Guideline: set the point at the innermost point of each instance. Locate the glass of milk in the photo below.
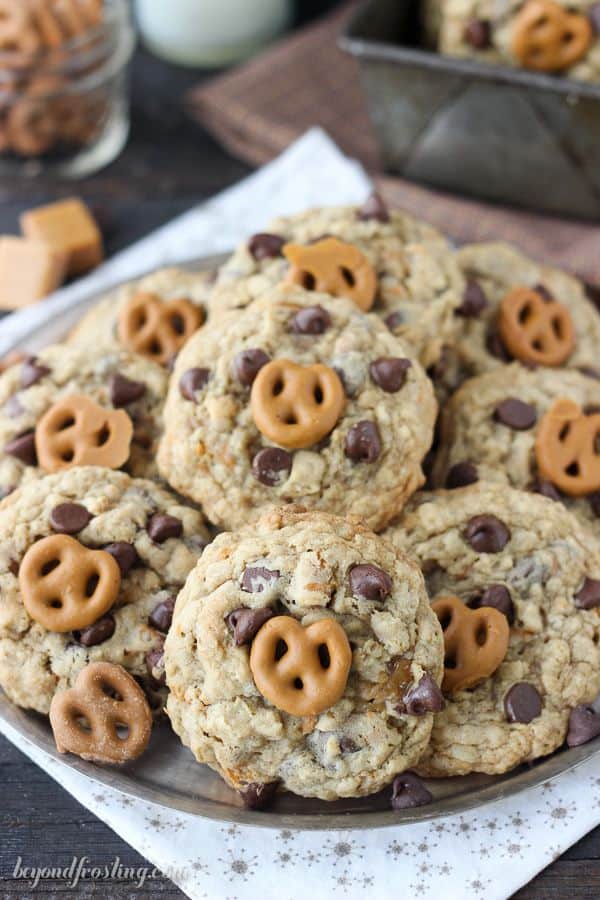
(210, 32)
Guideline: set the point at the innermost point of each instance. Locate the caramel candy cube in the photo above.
(29, 270)
(69, 228)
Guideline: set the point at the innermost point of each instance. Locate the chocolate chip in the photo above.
(193, 381)
(394, 320)
(256, 579)
(478, 34)
(408, 791)
(245, 622)
(23, 448)
(543, 292)
(498, 597)
(496, 348)
(13, 407)
(257, 795)
(363, 442)
(588, 596)
(124, 390)
(248, 363)
(13, 567)
(593, 290)
(161, 527)
(271, 465)
(516, 414)
(594, 501)
(590, 372)
(162, 615)
(311, 320)
(368, 582)
(374, 208)
(347, 745)
(584, 725)
(474, 300)
(69, 518)
(522, 703)
(32, 371)
(389, 372)
(487, 534)
(590, 409)
(422, 698)
(546, 489)
(125, 554)
(265, 246)
(155, 664)
(96, 633)
(461, 474)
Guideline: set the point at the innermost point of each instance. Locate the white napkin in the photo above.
(488, 853)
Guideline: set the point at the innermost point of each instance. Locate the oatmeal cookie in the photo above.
(122, 386)
(154, 539)
(524, 576)
(418, 285)
(296, 572)
(298, 398)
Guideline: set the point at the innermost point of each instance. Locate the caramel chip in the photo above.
(69, 229)
(29, 271)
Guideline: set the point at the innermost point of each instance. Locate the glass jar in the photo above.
(64, 104)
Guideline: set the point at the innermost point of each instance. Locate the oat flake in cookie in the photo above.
(298, 398)
(417, 282)
(512, 309)
(93, 523)
(532, 429)
(153, 315)
(321, 581)
(506, 553)
(109, 399)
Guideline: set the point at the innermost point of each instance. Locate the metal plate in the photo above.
(167, 773)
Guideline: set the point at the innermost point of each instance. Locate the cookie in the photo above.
(553, 36)
(300, 398)
(123, 396)
(153, 316)
(134, 540)
(515, 309)
(313, 578)
(416, 282)
(515, 580)
(495, 428)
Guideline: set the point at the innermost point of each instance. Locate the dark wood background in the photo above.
(169, 165)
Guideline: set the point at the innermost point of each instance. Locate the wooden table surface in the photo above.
(169, 165)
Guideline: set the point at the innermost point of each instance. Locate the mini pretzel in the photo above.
(475, 640)
(66, 586)
(567, 448)
(302, 671)
(157, 328)
(333, 267)
(78, 432)
(90, 718)
(16, 31)
(549, 38)
(296, 406)
(536, 329)
(31, 127)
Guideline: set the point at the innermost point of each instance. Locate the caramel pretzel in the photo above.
(310, 675)
(66, 586)
(567, 448)
(78, 432)
(157, 328)
(333, 267)
(296, 406)
(549, 38)
(536, 329)
(475, 640)
(89, 718)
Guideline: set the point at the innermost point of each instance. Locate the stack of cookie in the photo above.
(347, 630)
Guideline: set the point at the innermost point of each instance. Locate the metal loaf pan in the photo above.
(501, 134)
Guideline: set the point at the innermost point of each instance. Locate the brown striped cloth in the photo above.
(259, 108)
